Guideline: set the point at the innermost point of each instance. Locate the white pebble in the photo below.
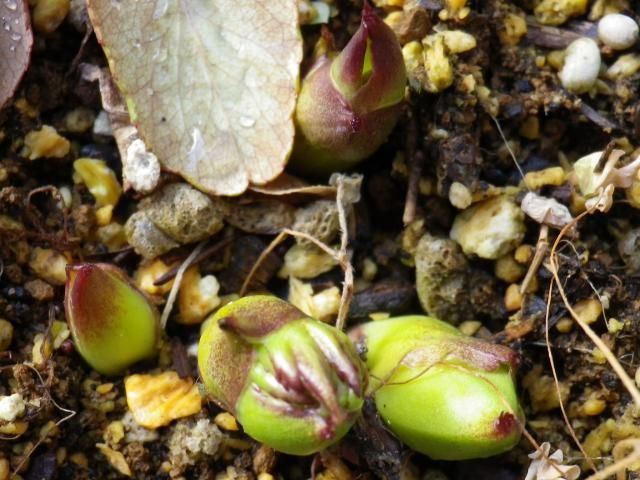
(102, 125)
(489, 229)
(618, 31)
(581, 65)
(140, 168)
(11, 407)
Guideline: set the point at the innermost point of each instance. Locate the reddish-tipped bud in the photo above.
(349, 104)
(112, 323)
(294, 383)
(444, 394)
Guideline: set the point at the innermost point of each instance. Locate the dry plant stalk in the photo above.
(557, 383)
(341, 255)
(43, 434)
(622, 461)
(177, 282)
(620, 465)
(609, 356)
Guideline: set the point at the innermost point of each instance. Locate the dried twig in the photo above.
(558, 38)
(606, 352)
(176, 285)
(342, 255)
(414, 158)
(508, 147)
(55, 193)
(542, 247)
(557, 383)
(622, 462)
(43, 435)
(207, 252)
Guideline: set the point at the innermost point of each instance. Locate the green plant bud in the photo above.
(112, 323)
(349, 103)
(444, 394)
(294, 383)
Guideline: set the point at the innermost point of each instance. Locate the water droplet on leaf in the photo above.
(10, 4)
(247, 122)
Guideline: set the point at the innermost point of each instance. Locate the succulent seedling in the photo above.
(294, 383)
(112, 323)
(444, 394)
(350, 102)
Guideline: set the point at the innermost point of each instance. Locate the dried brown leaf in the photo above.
(16, 40)
(211, 85)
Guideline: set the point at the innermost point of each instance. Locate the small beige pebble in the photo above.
(541, 178)
(588, 310)
(6, 334)
(507, 269)
(49, 14)
(564, 325)
(489, 229)
(470, 327)
(618, 31)
(12, 407)
(104, 388)
(226, 421)
(581, 65)
(5, 469)
(594, 406)
(141, 169)
(39, 290)
(49, 265)
(524, 253)
(79, 459)
(79, 120)
(45, 142)
(459, 195)
(115, 458)
(198, 296)
(513, 298)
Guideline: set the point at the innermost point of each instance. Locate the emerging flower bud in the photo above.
(348, 104)
(294, 383)
(112, 323)
(444, 394)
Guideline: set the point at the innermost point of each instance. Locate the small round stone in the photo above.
(581, 65)
(618, 31)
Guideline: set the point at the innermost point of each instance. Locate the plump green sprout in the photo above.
(112, 323)
(294, 383)
(444, 394)
(349, 103)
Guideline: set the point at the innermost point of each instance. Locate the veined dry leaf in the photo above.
(293, 189)
(210, 84)
(16, 40)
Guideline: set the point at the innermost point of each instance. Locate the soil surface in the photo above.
(504, 116)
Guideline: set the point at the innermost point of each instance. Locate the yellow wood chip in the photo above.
(156, 400)
(116, 459)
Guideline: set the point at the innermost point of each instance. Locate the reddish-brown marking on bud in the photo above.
(91, 296)
(251, 321)
(505, 425)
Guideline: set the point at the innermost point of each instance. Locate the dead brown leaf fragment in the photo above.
(16, 40)
(211, 85)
